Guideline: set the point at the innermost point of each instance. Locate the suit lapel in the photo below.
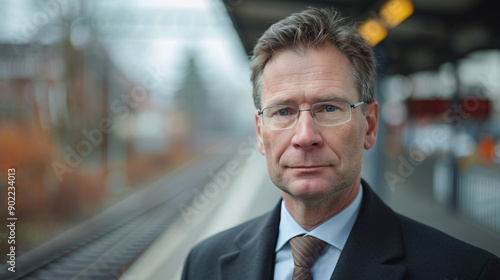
(374, 243)
(373, 246)
(254, 258)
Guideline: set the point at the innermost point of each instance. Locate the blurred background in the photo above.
(130, 125)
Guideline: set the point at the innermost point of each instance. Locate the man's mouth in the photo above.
(308, 167)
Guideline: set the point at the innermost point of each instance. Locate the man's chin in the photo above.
(310, 190)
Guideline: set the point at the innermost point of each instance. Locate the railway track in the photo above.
(103, 247)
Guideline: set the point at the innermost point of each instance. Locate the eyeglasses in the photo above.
(330, 113)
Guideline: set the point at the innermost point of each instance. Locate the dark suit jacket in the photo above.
(381, 245)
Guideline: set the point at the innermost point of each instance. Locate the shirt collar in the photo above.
(335, 231)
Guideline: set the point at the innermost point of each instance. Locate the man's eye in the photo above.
(283, 112)
(330, 108)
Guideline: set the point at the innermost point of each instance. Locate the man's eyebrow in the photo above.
(336, 97)
(290, 101)
(284, 101)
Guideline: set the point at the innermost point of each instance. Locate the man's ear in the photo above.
(258, 124)
(372, 124)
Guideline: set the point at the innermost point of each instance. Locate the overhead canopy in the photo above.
(438, 31)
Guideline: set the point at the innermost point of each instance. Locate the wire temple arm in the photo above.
(356, 104)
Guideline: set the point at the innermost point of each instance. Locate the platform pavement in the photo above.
(251, 193)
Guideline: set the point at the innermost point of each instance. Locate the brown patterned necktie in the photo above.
(305, 251)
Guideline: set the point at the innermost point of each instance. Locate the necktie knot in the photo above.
(305, 251)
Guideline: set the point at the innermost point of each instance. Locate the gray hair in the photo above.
(317, 28)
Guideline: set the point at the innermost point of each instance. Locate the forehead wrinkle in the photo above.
(302, 80)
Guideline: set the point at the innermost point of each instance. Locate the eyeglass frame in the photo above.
(351, 106)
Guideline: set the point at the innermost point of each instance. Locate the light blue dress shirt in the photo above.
(335, 232)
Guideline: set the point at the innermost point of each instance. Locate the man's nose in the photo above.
(306, 132)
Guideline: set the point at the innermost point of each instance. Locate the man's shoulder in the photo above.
(245, 241)
(426, 252)
(428, 247)
(416, 232)
(415, 235)
(224, 242)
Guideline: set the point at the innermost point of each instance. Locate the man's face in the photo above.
(309, 161)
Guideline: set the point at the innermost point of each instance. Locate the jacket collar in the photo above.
(254, 258)
(374, 242)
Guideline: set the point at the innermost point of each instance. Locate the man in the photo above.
(313, 78)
